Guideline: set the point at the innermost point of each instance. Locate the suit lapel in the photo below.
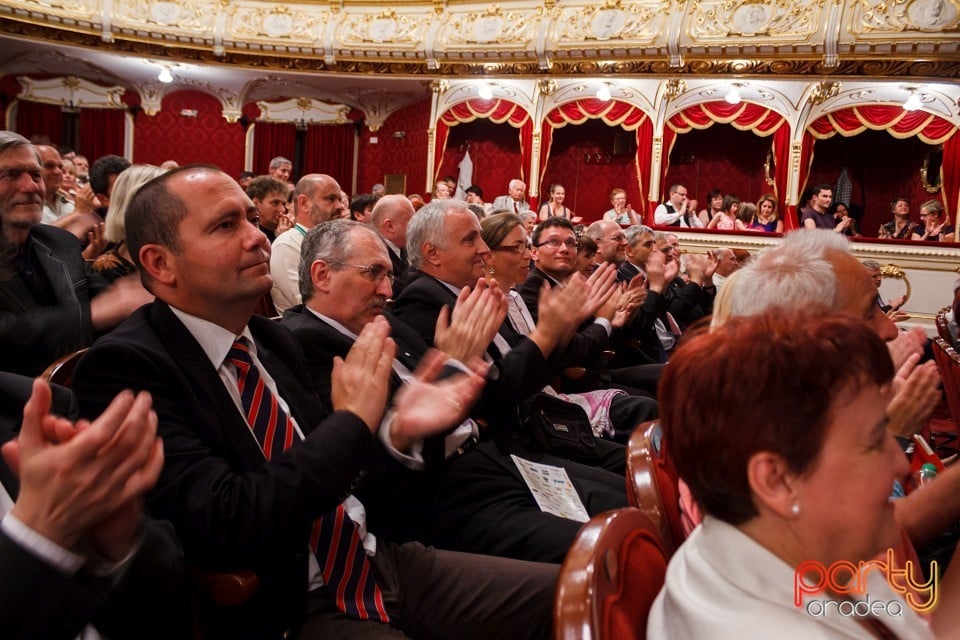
(203, 377)
(63, 287)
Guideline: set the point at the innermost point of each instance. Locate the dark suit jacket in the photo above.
(587, 344)
(31, 336)
(689, 301)
(39, 601)
(511, 378)
(231, 508)
(400, 503)
(399, 273)
(641, 331)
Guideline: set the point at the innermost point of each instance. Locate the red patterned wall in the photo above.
(396, 155)
(588, 184)
(494, 151)
(206, 138)
(721, 157)
(881, 168)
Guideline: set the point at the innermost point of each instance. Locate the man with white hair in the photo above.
(514, 200)
(814, 269)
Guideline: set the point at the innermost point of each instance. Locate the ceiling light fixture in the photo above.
(913, 102)
(733, 96)
(603, 93)
(165, 75)
(485, 91)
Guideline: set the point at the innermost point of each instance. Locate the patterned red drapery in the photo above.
(745, 116)
(613, 113)
(497, 111)
(899, 123)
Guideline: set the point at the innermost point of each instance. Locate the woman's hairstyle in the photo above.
(765, 383)
(768, 197)
(493, 229)
(554, 187)
(747, 212)
(713, 193)
(127, 184)
(932, 206)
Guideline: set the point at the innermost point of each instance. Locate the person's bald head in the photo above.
(317, 199)
(390, 217)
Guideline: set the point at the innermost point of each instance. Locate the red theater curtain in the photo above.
(272, 139)
(497, 111)
(645, 162)
(329, 150)
(929, 128)
(950, 176)
(744, 116)
(41, 120)
(613, 113)
(101, 132)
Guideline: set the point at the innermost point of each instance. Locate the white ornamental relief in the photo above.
(386, 27)
(772, 19)
(195, 17)
(165, 12)
(493, 27)
(873, 16)
(639, 23)
(253, 23)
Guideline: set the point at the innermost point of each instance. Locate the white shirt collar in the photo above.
(333, 323)
(215, 341)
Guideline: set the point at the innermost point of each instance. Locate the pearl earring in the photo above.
(795, 509)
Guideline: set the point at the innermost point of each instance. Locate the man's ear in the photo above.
(430, 254)
(320, 276)
(158, 263)
(774, 485)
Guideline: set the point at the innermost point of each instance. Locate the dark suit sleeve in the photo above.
(228, 512)
(690, 303)
(38, 601)
(530, 292)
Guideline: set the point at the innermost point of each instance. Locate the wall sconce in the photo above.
(399, 135)
(603, 93)
(485, 91)
(165, 76)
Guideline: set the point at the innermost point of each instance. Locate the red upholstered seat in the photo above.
(652, 483)
(610, 578)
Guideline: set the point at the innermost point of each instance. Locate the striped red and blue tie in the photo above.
(335, 538)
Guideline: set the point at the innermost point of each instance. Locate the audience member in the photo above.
(316, 199)
(714, 206)
(281, 169)
(727, 262)
(611, 243)
(876, 275)
(935, 224)
(51, 303)
(817, 215)
(441, 191)
(554, 207)
(75, 546)
(691, 297)
(417, 201)
(587, 256)
(766, 218)
(269, 196)
(726, 219)
(621, 212)
(390, 218)
(378, 190)
(362, 206)
(841, 212)
(246, 177)
(55, 206)
(677, 211)
(261, 502)
(474, 195)
(515, 200)
(68, 184)
(103, 174)
(116, 263)
(779, 495)
(83, 169)
(901, 227)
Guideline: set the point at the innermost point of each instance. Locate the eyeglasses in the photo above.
(519, 248)
(12, 175)
(617, 238)
(555, 243)
(372, 272)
